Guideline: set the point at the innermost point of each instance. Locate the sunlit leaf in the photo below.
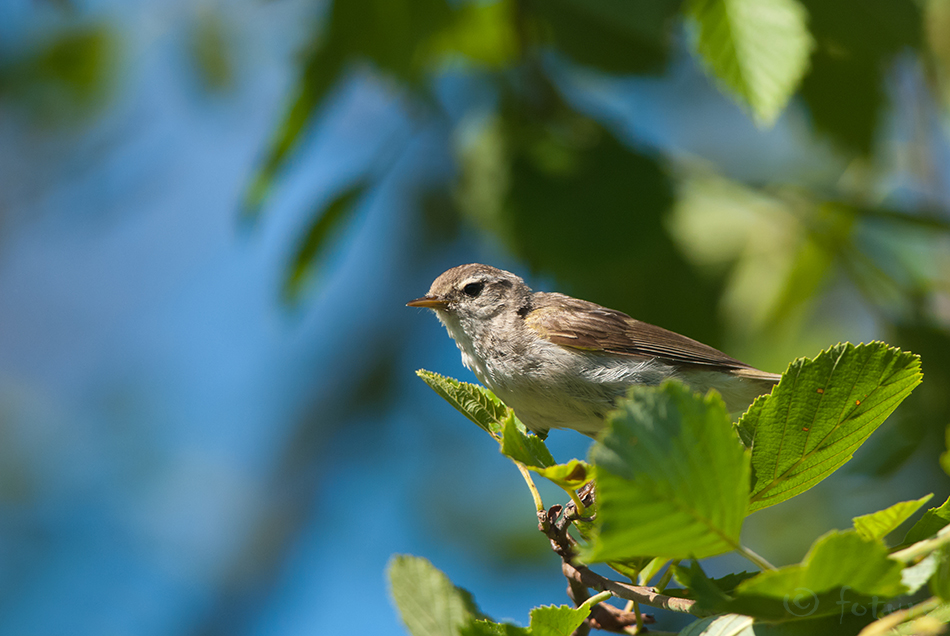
(820, 413)
(672, 477)
(473, 401)
(483, 33)
(569, 476)
(491, 628)
(545, 621)
(427, 601)
(757, 49)
(878, 525)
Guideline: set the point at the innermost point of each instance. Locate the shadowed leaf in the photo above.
(616, 36)
(392, 35)
(323, 228)
(523, 448)
(930, 524)
(841, 567)
(845, 90)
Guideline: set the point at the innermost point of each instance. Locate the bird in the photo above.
(562, 362)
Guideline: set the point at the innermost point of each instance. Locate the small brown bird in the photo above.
(561, 362)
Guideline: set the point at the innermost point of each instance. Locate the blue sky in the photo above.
(153, 387)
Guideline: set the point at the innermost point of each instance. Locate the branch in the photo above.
(554, 525)
(603, 616)
(646, 595)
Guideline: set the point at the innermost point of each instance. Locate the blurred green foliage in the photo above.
(63, 78)
(667, 239)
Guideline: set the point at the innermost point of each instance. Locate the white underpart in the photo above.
(550, 386)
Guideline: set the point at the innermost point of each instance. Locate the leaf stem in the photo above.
(755, 558)
(538, 504)
(577, 502)
(595, 599)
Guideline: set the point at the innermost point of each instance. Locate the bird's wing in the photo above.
(580, 324)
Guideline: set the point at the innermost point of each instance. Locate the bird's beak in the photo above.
(432, 302)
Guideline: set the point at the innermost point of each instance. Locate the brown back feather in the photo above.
(580, 324)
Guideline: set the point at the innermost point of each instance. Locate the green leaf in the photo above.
(728, 625)
(723, 585)
(928, 623)
(427, 601)
(491, 628)
(545, 621)
(878, 525)
(929, 524)
(557, 621)
(212, 50)
(530, 450)
(846, 89)
(66, 77)
(523, 448)
(484, 33)
(569, 476)
(757, 49)
(940, 581)
(616, 36)
(916, 576)
(471, 400)
(836, 560)
(697, 585)
(562, 163)
(672, 477)
(945, 455)
(841, 569)
(650, 570)
(320, 233)
(820, 413)
(394, 35)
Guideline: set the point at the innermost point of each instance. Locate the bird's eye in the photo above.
(473, 289)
